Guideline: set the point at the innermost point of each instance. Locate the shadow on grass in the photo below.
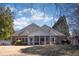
(43, 50)
(52, 50)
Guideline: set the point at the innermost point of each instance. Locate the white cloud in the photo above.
(35, 14)
(24, 11)
(20, 22)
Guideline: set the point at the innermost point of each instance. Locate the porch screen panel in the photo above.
(41, 40)
(36, 40)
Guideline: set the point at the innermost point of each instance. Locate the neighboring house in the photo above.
(75, 38)
(35, 35)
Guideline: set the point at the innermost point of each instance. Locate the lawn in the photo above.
(53, 50)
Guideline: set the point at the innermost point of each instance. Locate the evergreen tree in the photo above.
(61, 26)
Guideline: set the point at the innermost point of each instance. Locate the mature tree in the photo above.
(62, 26)
(2, 24)
(6, 23)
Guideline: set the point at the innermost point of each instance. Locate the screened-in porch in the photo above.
(36, 40)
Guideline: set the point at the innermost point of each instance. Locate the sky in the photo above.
(25, 14)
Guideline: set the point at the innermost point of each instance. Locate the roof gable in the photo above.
(46, 28)
(27, 30)
(52, 31)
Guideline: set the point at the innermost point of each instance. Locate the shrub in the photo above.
(18, 42)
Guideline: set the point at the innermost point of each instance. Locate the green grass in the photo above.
(57, 50)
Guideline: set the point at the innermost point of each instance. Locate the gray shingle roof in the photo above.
(27, 30)
(52, 31)
(34, 29)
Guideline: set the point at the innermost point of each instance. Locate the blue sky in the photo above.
(25, 14)
(40, 14)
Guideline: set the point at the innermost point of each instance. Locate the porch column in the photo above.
(39, 40)
(33, 40)
(44, 40)
(28, 41)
